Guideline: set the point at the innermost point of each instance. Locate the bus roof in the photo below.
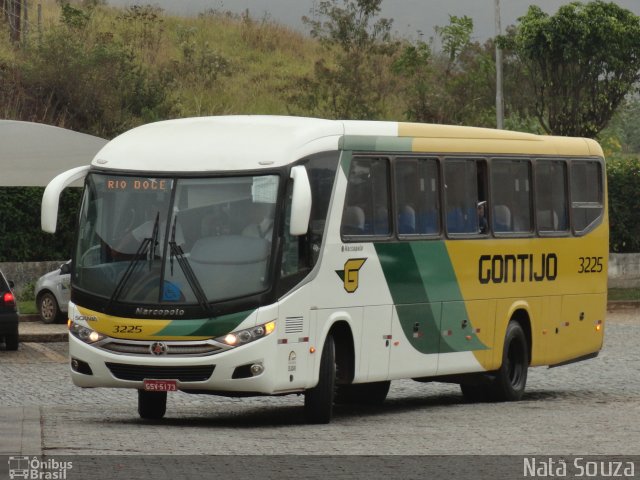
(229, 143)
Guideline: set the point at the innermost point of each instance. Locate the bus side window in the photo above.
(417, 196)
(366, 209)
(511, 195)
(551, 196)
(465, 194)
(586, 194)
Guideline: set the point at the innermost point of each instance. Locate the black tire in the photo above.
(373, 393)
(48, 307)
(11, 341)
(152, 405)
(318, 401)
(511, 379)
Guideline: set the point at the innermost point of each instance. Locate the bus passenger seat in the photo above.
(428, 222)
(547, 220)
(353, 221)
(501, 218)
(406, 220)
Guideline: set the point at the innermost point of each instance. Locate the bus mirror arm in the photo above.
(300, 201)
(51, 196)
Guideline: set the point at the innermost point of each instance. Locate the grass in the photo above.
(624, 294)
(27, 307)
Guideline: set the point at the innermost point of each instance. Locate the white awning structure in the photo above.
(32, 154)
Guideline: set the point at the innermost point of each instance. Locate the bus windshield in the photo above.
(176, 241)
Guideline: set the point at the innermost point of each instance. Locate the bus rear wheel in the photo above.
(508, 382)
(152, 405)
(511, 378)
(318, 401)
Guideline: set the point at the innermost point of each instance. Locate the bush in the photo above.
(623, 176)
(22, 238)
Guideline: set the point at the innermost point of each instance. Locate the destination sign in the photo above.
(138, 184)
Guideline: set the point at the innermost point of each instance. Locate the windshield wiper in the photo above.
(147, 247)
(177, 253)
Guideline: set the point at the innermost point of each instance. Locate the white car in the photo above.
(52, 293)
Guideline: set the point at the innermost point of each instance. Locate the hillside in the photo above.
(102, 70)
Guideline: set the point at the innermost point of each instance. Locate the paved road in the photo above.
(592, 407)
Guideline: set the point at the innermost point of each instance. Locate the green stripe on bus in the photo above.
(425, 291)
(206, 327)
(376, 143)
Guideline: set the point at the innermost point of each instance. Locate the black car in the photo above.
(8, 314)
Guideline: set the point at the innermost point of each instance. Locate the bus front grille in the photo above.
(122, 371)
(173, 349)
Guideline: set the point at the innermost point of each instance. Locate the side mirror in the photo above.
(12, 284)
(300, 201)
(51, 196)
(64, 269)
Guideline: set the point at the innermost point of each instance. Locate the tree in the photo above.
(454, 86)
(12, 12)
(581, 62)
(352, 85)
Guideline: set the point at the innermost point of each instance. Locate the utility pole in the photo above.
(499, 98)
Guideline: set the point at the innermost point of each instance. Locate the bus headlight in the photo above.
(248, 335)
(83, 333)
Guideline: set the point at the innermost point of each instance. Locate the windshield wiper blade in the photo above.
(146, 246)
(154, 239)
(192, 279)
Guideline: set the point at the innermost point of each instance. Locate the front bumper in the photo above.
(213, 373)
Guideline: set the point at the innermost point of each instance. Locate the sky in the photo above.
(409, 16)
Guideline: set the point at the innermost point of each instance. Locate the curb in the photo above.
(615, 305)
(43, 337)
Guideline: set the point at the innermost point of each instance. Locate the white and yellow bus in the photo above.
(255, 255)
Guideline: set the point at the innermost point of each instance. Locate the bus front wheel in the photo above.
(152, 405)
(318, 401)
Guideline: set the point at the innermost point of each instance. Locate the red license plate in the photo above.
(160, 385)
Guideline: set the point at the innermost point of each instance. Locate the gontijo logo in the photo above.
(350, 275)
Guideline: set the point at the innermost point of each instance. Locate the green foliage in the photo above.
(414, 65)
(199, 63)
(350, 85)
(623, 177)
(582, 61)
(22, 238)
(624, 128)
(85, 80)
(456, 36)
(27, 293)
(75, 18)
(454, 86)
(141, 28)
